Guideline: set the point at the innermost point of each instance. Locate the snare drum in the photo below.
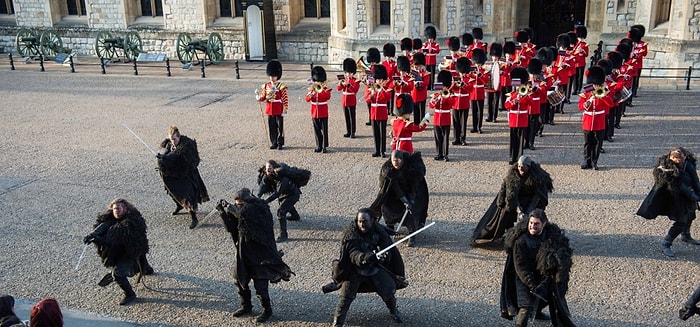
(555, 97)
(623, 95)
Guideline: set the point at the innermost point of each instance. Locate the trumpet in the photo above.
(523, 90)
(445, 92)
(599, 91)
(317, 87)
(376, 87)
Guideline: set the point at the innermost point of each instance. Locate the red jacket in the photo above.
(390, 65)
(349, 87)
(319, 102)
(594, 113)
(420, 91)
(581, 53)
(462, 93)
(431, 49)
(404, 85)
(379, 101)
(480, 78)
(278, 102)
(441, 106)
(518, 108)
(403, 131)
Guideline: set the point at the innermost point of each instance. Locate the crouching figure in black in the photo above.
(120, 237)
(359, 269)
(249, 221)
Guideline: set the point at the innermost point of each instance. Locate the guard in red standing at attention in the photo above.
(518, 104)
(378, 97)
(462, 87)
(431, 49)
(581, 53)
(403, 126)
(523, 50)
(318, 96)
(274, 94)
(391, 70)
(480, 76)
(595, 105)
(403, 81)
(467, 45)
(373, 59)
(442, 102)
(349, 86)
(421, 80)
(506, 87)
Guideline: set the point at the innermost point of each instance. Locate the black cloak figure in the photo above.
(521, 191)
(402, 187)
(178, 168)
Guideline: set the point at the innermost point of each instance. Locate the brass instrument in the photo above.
(523, 90)
(376, 87)
(362, 66)
(445, 92)
(317, 87)
(271, 91)
(599, 91)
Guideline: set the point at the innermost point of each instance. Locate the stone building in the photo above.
(330, 30)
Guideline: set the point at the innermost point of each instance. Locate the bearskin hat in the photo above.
(554, 52)
(463, 65)
(635, 34)
(563, 41)
(349, 65)
(430, 32)
(478, 33)
(521, 36)
(509, 47)
(373, 56)
(389, 50)
(581, 31)
(478, 56)
(641, 28)
(274, 68)
(403, 64)
(496, 50)
(445, 77)
(615, 58)
(419, 58)
(406, 44)
(404, 104)
(380, 72)
(318, 74)
(595, 75)
(606, 64)
(572, 38)
(453, 43)
(628, 41)
(534, 67)
(417, 44)
(530, 32)
(545, 55)
(519, 73)
(467, 39)
(625, 50)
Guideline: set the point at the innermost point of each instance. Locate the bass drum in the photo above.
(495, 80)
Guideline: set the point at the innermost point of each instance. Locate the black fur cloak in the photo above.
(409, 182)
(670, 196)
(124, 241)
(279, 184)
(553, 267)
(178, 168)
(355, 246)
(524, 193)
(257, 257)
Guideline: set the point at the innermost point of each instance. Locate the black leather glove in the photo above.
(159, 155)
(541, 290)
(369, 259)
(221, 205)
(407, 203)
(88, 239)
(98, 240)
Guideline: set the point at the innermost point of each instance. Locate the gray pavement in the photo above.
(65, 155)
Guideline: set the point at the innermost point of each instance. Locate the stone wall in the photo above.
(183, 15)
(106, 14)
(694, 20)
(33, 13)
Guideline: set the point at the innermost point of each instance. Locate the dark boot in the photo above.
(195, 221)
(283, 230)
(341, 311)
(129, 295)
(521, 319)
(177, 208)
(246, 305)
(666, 247)
(266, 312)
(294, 214)
(146, 268)
(685, 235)
(106, 280)
(395, 315)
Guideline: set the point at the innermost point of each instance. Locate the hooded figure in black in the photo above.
(675, 194)
(120, 237)
(273, 180)
(360, 269)
(403, 190)
(178, 168)
(524, 189)
(249, 221)
(536, 272)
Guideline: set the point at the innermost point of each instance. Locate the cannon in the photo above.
(49, 44)
(187, 48)
(106, 46)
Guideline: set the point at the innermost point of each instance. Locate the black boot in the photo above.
(395, 315)
(246, 305)
(195, 221)
(146, 268)
(294, 214)
(685, 235)
(266, 312)
(283, 230)
(521, 319)
(106, 280)
(129, 295)
(666, 247)
(341, 311)
(177, 209)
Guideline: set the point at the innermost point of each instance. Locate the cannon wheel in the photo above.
(133, 45)
(184, 51)
(50, 43)
(24, 47)
(215, 48)
(103, 49)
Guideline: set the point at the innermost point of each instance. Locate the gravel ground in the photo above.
(66, 154)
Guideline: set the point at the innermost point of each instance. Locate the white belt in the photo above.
(319, 103)
(518, 111)
(438, 111)
(478, 86)
(274, 100)
(348, 93)
(379, 105)
(593, 113)
(536, 99)
(404, 138)
(462, 94)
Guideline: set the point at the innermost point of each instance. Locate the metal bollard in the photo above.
(167, 67)
(72, 64)
(136, 69)
(690, 74)
(12, 63)
(41, 62)
(201, 63)
(102, 65)
(238, 70)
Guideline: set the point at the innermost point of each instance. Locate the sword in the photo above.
(81, 257)
(536, 306)
(209, 215)
(140, 140)
(403, 240)
(405, 213)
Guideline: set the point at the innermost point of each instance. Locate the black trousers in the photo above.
(321, 132)
(477, 114)
(493, 99)
(350, 113)
(276, 129)
(431, 69)
(261, 286)
(383, 284)
(533, 127)
(578, 82)
(610, 124)
(459, 122)
(442, 140)
(517, 137)
(505, 90)
(287, 206)
(379, 134)
(592, 142)
(418, 112)
(619, 111)
(635, 83)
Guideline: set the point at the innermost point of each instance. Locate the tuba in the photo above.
(362, 66)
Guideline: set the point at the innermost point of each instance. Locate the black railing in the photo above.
(687, 74)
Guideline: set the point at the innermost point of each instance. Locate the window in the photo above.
(427, 11)
(151, 8)
(76, 7)
(6, 7)
(620, 5)
(663, 12)
(342, 20)
(317, 8)
(384, 12)
(230, 8)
